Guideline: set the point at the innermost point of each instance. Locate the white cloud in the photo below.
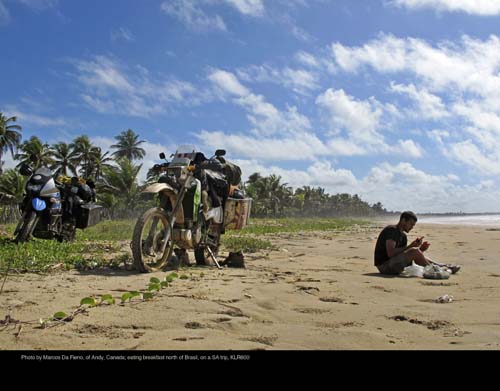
(34, 119)
(111, 87)
(301, 81)
(361, 122)
(474, 7)
(266, 118)
(385, 54)
(302, 146)
(228, 82)
(429, 106)
(470, 66)
(39, 5)
(359, 118)
(465, 74)
(409, 148)
(469, 154)
(4, 14)
(122, 34)
(398, 187)
(248, 7)
(288, 135)
(192, 15)
(307, 59)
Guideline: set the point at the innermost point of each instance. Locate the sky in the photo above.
(397, 101)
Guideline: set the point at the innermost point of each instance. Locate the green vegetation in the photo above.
(284, 225)
(246, 244)
(95, 247)
(253, 237)
(272, 198)
(105, 245)
(154, 288)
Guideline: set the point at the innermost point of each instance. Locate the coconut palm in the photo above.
(9, 136)
(12, 183)
(85, 152)
(128, 146)
(122, 182)
(65, 158)
(35, 153)
(100, 161)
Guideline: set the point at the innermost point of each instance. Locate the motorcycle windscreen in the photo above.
(38, 204)
(184, 155)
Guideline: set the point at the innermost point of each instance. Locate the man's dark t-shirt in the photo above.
(391, 232)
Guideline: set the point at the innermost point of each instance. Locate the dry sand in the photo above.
(319, 291)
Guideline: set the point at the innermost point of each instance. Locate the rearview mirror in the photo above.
(162, 155)
(25, 170)
(220, 152)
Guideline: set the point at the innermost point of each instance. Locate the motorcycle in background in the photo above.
(54, 210)
(195, 208)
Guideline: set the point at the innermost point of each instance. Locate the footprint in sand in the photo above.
(195, 325)
(265, 340)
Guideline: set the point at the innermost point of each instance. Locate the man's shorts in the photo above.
(396, 264)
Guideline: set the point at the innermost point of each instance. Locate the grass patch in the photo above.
(290, 225)
(108, 230)
(38, 255)
(94, 247)
(246, 244)
(99, 246)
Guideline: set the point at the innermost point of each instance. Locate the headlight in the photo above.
(33, 188)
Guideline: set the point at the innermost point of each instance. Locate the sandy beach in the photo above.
(317, 291)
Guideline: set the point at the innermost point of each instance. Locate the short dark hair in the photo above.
(408, 215)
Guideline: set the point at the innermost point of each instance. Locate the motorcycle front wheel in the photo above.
(29, 222)
(152, 243)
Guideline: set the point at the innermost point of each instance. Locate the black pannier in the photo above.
(232, 173)
(88, 215)
(85, 192)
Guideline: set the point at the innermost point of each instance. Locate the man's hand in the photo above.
(424, 246)
(417, 242)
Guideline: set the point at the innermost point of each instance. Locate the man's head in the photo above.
(407, 221)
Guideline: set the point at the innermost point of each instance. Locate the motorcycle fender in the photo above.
(171, 193)
(158, 187)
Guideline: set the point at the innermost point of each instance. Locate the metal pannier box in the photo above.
(88, 215)
(237, 213)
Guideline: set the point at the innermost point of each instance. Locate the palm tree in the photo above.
(128, 146)
(84, 153)
(35, 153)
(12, 183)
(122, 182)
(65, 158)
(100, 161)
(9, 136)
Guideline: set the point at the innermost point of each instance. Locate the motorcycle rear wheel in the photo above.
(152, 244)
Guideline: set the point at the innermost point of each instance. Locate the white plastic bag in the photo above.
(435, 272)
(414, 270)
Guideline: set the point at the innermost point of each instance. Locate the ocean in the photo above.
(481, 220)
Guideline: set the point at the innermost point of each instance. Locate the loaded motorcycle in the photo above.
(196, 205)
(53, 210)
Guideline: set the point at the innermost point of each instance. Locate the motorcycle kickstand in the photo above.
(213, 257)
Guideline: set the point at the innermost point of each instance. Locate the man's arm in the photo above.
(392, 250)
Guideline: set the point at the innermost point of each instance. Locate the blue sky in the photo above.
(395, 100)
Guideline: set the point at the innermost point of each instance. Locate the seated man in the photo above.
(392, 254)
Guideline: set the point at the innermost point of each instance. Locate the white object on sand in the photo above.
(414, 270)
(444, 299)
(435, 272)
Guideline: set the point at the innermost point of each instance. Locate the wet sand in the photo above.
(318, 291)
